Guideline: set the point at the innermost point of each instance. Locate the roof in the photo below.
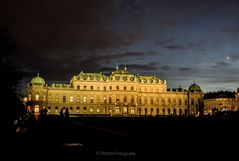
(38, 80)
(194, 87)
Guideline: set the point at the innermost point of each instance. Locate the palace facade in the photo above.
(120, 93)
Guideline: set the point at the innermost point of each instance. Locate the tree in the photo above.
(10, 77)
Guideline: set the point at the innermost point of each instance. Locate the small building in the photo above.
(219, 101)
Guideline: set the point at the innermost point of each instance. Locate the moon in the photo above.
(228, 57)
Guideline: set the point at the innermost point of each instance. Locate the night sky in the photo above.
(180, 41)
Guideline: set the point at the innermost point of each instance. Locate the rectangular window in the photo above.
(174, 101)
(91, 87)
(125, 88)
(180, 101)
(84, 99)
(49, 98)
(84, 109)
(192, 101)
(132, 88)
(30, 97)
(125, 99)
(98, 109)
(91, 109)
(163, 101)
(104, 98)
(139, 100)
(98, 88)
(104, 88)
(157, 100)
(64, 99)
(37, 97)
(85, 87)
(132, 99)
(110, 99)
(169, 102)
(78, 87)
(57, 98)
(44, 97)
(145, 100)
(91, 99)
(77, 98)
(117, 87)
(151, 100)
(110, 87)
(71, 99)
(97, 99)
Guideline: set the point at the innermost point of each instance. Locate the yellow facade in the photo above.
(120, 93)
(220, 101)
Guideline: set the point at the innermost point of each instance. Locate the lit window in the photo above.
(71, 99)
(98, 109)
(44, 97)
(84, 99)
(57, 98)
(49, 98)
(30, 97)
(37, 97)
(104, 98)
(78, 99)
(91, 109)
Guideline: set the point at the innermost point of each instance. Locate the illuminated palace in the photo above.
(120, 93)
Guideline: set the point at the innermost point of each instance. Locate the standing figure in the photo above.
(66, 113)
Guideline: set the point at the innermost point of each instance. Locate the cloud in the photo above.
(164, 42)
(175, 47)
(219, 64)
(165, 67)
(184, 69)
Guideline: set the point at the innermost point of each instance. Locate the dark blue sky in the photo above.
(180, 41)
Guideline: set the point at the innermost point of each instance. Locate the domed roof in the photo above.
(195, 87)
(38, 80)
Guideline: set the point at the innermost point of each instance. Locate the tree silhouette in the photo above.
(10, 77)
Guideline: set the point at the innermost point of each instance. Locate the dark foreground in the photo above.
(121, 138)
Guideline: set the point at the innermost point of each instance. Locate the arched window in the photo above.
(145, 111)
(169, 111)
(180, 111)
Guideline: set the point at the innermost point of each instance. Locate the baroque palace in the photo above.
(120, 93)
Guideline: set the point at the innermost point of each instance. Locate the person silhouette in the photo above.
(66, 113)
(61, 113)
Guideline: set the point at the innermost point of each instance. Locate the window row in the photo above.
(141, 100)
